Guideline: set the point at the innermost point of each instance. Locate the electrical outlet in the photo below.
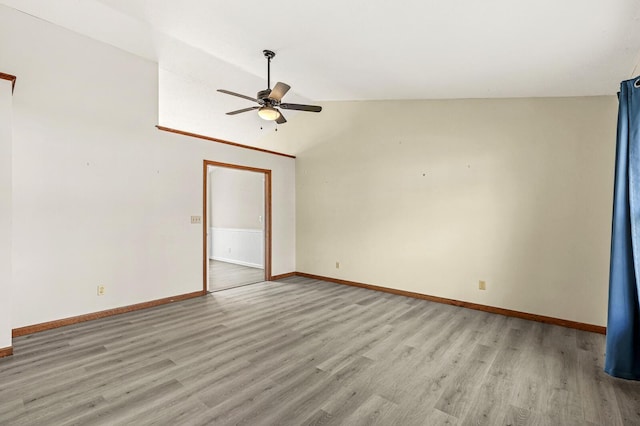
(337, 265)
(100, 290)
(482, 285)
(196, 219)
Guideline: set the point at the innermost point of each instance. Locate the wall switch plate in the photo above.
(482, 285)
(100, 290)
(337, 265)
(196, 219)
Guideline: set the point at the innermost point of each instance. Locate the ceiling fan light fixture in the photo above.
(268, 113)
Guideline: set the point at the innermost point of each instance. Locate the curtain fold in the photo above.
(623, 323)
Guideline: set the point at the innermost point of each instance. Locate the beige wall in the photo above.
(432, 196)
(237, 198)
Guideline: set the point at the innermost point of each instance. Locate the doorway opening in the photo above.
(236, 225)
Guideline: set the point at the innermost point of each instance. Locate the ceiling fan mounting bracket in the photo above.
(269, 54)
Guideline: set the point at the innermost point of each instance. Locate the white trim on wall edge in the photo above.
(243, 230)
(238, 262)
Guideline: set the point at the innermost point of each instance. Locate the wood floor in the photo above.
(224, 275)
(304, 352)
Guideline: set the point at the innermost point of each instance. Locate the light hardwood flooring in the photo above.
(224, 275)
(305, 352)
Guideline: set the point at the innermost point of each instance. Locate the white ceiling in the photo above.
(374, 49)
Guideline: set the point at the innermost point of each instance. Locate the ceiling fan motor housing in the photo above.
(263, 94)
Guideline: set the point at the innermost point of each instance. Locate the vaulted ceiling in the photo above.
(374, 49)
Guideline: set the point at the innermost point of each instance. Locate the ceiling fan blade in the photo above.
(298, 107)
(242, 110)
(279, 91)
(238, 95)
(281, 119)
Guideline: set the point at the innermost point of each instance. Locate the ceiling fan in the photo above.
(268, 100)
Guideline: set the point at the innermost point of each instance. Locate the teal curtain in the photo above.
(623, 324)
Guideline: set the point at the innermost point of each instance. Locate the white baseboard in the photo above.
(237, 262)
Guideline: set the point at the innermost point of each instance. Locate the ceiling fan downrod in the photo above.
(269, 54)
